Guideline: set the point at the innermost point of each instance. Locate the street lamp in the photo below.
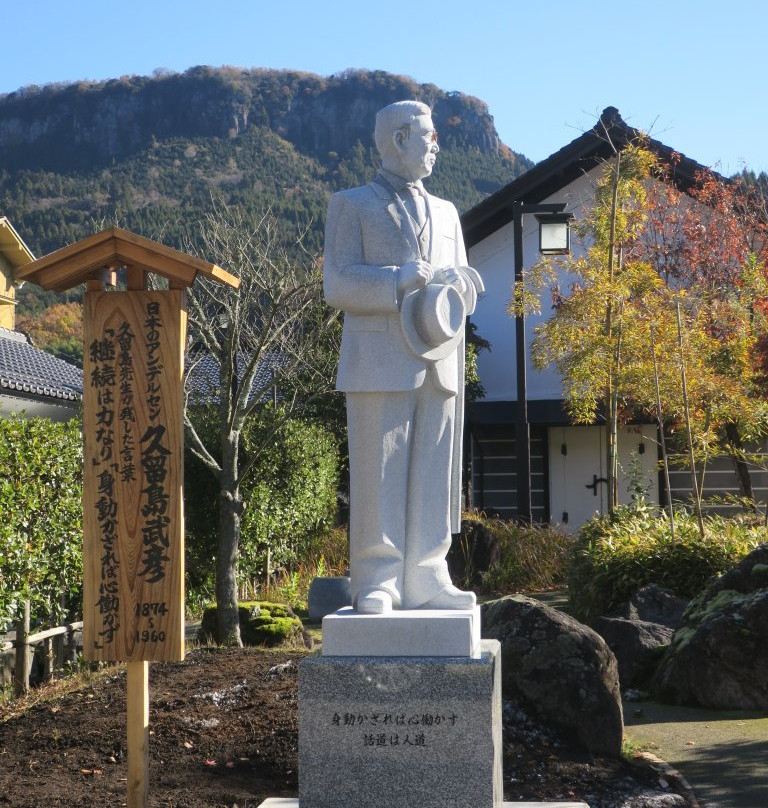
(554, 233)
(554, 239)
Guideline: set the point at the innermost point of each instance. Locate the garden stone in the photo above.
(639, 631)
(654, 604)
(655, 800)
(328, 595)
(636, 644)
(559, 668)
(718, 657)
(8, 666)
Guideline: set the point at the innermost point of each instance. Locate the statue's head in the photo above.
(406, 139)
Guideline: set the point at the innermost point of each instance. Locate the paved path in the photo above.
(723, 755)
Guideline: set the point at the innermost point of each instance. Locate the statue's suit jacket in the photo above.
(365, 243)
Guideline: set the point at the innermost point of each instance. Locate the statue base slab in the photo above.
(403, 633)
(400, 732)
(292, 802)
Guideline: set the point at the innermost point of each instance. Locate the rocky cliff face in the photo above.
(82, 124)
(151, 152)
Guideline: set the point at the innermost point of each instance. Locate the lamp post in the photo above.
(554, 239)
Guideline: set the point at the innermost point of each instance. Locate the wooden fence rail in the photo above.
(60, 647)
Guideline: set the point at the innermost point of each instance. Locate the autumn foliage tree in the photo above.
(58, 330)
(664, 315)
(710, 245)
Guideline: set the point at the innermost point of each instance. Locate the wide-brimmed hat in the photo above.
(432, 321)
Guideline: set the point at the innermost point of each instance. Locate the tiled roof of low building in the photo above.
(26, 369)
(203, 376)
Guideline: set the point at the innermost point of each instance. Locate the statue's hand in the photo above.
(450, 276)
(413, 275)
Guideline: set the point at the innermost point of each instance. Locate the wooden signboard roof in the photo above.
(115, 248)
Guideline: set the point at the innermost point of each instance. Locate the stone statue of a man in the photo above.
(395, 263)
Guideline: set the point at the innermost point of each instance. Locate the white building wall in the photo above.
(493, 258)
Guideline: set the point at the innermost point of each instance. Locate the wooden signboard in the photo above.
(133, 550)
(133, 600)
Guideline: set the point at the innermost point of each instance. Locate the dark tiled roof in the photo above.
(26, 369)
(566, 165)
(203, 376)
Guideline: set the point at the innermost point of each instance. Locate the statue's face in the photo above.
(418, 151)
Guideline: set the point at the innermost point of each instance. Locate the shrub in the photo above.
(326, 556)
(41, 491)
(289, 495)
(522, 559)
(618, 554)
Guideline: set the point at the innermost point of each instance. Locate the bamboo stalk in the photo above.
(662, 438)
(54, 632)
(694, 479)
(609, 333)
(613, 471)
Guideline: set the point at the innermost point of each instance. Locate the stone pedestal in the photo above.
(410, 633)
(401, 732)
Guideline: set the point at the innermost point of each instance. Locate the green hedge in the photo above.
(614, 556)
(41, 520)
(289, 494)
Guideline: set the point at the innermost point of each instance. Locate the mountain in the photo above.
(150, 152)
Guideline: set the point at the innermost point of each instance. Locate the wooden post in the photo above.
(70, 647)
(137, 702)
(58, 640)
(23, 653)
(48, 659)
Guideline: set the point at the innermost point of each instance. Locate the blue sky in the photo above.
(692, 72)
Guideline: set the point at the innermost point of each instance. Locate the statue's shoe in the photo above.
(375, 602)
(451, 598)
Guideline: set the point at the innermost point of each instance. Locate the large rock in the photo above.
(719, 656)
(637, 646)
(639, 631)
(654, 604)
(559, 668)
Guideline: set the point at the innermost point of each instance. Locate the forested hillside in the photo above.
(149, 153)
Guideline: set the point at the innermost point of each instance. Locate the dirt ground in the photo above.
(224, 734)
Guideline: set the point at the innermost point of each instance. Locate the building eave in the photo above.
(558, 170)
(12, 245)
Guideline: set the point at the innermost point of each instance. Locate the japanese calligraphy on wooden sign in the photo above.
(133, 600)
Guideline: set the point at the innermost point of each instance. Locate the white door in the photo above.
(578, 486)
